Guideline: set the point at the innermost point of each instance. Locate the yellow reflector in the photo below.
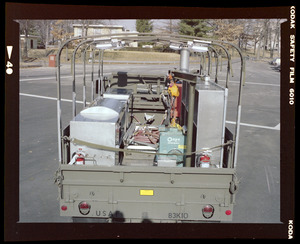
(146, 192)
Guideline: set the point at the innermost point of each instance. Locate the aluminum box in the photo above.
(209, 117)
(102, 124)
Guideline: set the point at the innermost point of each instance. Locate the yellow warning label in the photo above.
(181, 146)
(146, 192)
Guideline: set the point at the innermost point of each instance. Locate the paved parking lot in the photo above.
(258, 198)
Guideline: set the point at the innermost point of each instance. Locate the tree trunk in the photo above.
(255, 43)
(25, 54)
(278, 37)
(258, 49)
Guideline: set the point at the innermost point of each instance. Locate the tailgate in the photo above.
(147, 193)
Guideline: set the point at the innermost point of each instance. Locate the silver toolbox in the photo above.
(102, 124)
(209, 117)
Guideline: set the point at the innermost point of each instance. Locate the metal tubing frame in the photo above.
(83, 79)
(217, 63)
(100, 74)
(228, 63)
(58, 102)
(223, 126)
(73, 76)
(190, 124)
(92, 74)
(84, 74)
(209, 63)
(242, 82)
(200, 64)
(158, 38)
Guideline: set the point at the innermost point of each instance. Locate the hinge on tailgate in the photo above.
(234, 184)
(58, 177)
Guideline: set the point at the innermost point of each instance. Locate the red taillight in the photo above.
(64, 207)
(208, 211)
(84, 208)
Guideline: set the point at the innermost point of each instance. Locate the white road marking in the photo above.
(41, 78)
(268, 184)
(50, 98)
(230, 81)
(50, 78)
(277, 127)
(251, 83)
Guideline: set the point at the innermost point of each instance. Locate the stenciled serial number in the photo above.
(178, 215)
(109, 214)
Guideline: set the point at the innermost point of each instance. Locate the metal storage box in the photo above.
(102, 124)
(209, 117)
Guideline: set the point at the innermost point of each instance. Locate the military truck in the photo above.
(148, 147)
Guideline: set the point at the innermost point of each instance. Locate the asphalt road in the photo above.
(258, 197)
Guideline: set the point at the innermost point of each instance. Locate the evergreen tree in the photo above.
(143, 25)
(194, 27)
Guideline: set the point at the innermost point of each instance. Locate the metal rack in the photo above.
(96, 41)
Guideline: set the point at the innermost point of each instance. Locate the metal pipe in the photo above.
(184, 59)
(58, 102)
(200, 66)
(228, 58)
(84, 76)
(231, 70)
(73, 83)
(223, 125)
(92, 75)
(99, 67)
(101, 75)
(228, 63)
(217, 66)
(184, 67)
(217, 63)
(244, 72)
(209, 63)
(237, 133)
(58, 106)
(238, 117)
(204, 62)
(73, 75)
(190, 125)
(84, 83)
